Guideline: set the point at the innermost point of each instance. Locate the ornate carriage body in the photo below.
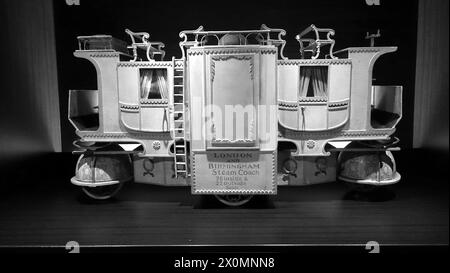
(233, 115)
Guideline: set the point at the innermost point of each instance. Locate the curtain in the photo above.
(153, 84)
(431, 86)
(315, 76)
(29, 103)
(146, 83)
(162, 84)
(305, 75)
(320, 81)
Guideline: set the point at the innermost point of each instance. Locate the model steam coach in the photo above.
(233, 117)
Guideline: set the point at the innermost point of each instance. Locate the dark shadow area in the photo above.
(369, 194)
(211, 202)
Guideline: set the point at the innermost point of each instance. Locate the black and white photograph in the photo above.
(224, 136)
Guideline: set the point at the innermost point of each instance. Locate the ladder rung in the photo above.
(179, 112)
(178, 76)
(179, 95)
(178, 85)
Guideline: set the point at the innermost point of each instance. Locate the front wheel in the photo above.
(102, 192)
(234, 200)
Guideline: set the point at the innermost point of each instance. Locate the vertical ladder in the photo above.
(179, 134)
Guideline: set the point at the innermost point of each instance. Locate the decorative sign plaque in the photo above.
(240, 172)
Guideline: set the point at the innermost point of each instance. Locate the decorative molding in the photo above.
(104, 55)
(129, 107)
(312, 99)
(156, 145)
(315, 62)
(334, 134)
(154, 64)
(310, 144)
(288, 105)
(156, 102)
(247, 192)
(179, 63)
(293, 105)
(145, 137)
(269, 51)
(284, 108)
(363, 49)
(337, 104)
(195, 52)
(230, 51)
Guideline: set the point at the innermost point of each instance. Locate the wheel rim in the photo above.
(234, 200)
(102, 192)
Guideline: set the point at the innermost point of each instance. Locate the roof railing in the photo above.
(199, 37)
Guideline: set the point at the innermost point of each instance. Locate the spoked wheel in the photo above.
(234, 200)
(102, 192)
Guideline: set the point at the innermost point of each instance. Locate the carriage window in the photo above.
(153, 83)
(313, 81)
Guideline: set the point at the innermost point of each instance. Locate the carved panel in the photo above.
(238, 96)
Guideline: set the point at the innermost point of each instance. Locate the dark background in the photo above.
(397, 21)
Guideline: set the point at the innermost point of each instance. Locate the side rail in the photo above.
(313, 45)
(264, 36)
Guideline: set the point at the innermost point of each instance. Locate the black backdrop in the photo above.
(351, 19)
